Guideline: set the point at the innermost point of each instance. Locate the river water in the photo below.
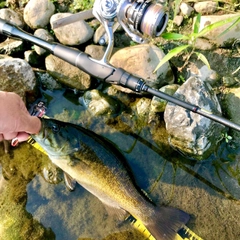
(32, 208)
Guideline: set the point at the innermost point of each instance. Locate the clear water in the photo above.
(31, 208)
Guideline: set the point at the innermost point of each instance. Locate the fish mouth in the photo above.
(55, 150)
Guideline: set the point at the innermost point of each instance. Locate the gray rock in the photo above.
(11, 16)
(17, 76)
(190, 133)
(72, 34)
(47, 81)
(37, 13)
(158, 104)
(118, 95)
(45, 35)
(186, 9)
(231, 103)
(11, 46)
(67, 74)
(209, 75)
(178, 20)
(206, 7)
(141, 60)
(215, 35)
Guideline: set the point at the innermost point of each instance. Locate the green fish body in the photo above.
(100, 168)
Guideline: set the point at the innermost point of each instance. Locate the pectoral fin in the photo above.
(120, 213)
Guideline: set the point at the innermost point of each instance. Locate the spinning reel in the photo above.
(139, 18)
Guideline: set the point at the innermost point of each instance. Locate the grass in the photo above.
(187, 42)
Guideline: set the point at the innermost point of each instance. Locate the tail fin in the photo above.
(166, 222)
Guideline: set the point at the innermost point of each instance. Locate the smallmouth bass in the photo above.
(102, 170)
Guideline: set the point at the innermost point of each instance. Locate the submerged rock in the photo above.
(99, 103)
(190, 133)
(47, 81)
(230, 81)
(143, 109)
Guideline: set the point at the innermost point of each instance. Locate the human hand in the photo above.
(15, 120)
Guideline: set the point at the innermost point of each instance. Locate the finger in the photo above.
(9, 135)
(22, 136)
(1, 138)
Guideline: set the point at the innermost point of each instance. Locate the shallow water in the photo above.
(31, 208)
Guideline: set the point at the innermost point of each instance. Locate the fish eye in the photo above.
(55, 128)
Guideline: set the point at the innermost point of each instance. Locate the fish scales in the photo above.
(100, 168)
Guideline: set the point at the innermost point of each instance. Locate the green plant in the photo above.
(226, 137)
(191, 39)
(80, 5)
(181, 79)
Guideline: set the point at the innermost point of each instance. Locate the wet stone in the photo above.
(100, 104)
(190, 133)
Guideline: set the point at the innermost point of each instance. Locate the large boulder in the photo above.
(190, 133)
(141, 60)
(17, 76)
(218, 35)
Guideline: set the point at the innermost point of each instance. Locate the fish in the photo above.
(99, 167)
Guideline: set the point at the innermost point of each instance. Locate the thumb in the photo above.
(30, 124)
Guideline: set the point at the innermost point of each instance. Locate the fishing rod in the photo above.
(134, 17)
